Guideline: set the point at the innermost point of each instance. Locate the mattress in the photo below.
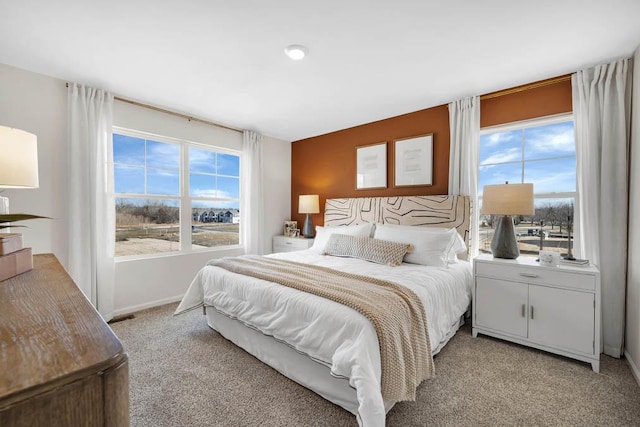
(327, 332)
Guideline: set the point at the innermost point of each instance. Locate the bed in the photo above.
(326, 346)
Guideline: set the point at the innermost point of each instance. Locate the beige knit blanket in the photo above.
(395, 311)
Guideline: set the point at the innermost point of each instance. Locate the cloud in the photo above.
(508, 155)
(161, 154)
(199, 204)
(202, 160)
(213, 194)
(551, 180)
(156, 173)
(553, 139)
(492, 140)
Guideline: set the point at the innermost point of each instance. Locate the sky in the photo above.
(152, 167)
(546, 152)
(543, 155)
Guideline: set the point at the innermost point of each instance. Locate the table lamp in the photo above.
(18, 161)
(506, 200)
(308, 204)
(18, 169)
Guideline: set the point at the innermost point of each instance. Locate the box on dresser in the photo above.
(15, 263)
(10, 242)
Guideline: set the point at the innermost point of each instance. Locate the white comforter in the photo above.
(327, 331)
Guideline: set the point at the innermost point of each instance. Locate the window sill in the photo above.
(212, 250)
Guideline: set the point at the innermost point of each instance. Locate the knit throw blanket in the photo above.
(395, 311)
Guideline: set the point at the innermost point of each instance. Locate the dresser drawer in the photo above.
(290, 244)
(555, 276)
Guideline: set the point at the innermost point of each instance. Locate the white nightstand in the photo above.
(290, 244)
(556, 309)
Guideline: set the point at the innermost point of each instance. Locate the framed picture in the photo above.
(413, 162)
(288, 226)
(294, 232)
(371, 166)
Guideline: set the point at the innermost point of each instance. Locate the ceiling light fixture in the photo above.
(296, 51)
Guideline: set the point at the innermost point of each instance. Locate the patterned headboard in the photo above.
(432, 211)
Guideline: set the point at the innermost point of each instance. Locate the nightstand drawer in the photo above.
(290, 244)
(551, 275)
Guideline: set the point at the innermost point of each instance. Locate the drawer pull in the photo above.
(524, 310)
(288, 243)
(531, 312)
(532, 275)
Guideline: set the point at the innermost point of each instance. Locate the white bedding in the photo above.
(329, 332)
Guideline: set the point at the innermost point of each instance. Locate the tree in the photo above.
(555, 214)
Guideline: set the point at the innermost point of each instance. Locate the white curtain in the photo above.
(464, 121)
(90, 186)
(601, 106)
(252, 203)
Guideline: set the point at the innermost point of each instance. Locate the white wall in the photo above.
(632, 331)
(38, 104)
(277, 189)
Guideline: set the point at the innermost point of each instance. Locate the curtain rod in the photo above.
(529, 86)
(173, 113)
(491, 95)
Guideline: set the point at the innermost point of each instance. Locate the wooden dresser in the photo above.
(60, 363)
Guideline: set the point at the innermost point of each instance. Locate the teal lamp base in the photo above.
(504, 244)
(307, 230)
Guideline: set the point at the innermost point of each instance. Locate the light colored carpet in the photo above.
(182, 373)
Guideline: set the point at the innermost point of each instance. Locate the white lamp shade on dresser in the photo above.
(19, 159)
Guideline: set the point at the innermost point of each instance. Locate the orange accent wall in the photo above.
(326, 164)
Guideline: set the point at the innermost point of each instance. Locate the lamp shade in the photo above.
(508, 199)
(18, 158)
(308, 204)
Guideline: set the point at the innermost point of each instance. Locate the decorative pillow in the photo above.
(323, 233)
(432, 248)
(366, 248)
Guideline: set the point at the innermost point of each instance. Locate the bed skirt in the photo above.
(295, 365)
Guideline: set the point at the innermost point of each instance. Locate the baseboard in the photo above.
(634, 368)
(156, 303)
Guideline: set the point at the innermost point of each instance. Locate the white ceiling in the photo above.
(368, 59)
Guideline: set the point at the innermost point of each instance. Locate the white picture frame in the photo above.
(371, 166)
(413, 161)
(289, 226)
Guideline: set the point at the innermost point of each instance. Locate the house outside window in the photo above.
(541, 152)
(173, 195)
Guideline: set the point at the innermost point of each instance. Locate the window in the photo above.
(541, 152)
(173, 195)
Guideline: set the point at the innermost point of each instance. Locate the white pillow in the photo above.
(459, 246)
(323, 233)
(430, 247)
